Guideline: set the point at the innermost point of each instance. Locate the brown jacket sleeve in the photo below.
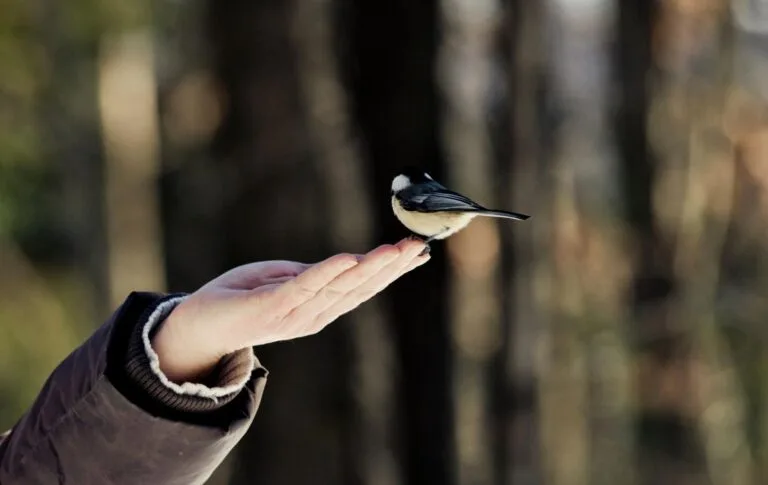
(103, 418)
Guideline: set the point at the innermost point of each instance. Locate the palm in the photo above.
(265, 302)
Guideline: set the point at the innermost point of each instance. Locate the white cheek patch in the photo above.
(400, 182)
(428, 176)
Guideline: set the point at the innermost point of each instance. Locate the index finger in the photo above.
(308, 284)
(408, 260)
(320, 274)
(337, 289)
(305, 286)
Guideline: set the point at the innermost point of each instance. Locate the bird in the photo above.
(433, 212)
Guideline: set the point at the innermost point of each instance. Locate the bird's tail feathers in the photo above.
(502, 214)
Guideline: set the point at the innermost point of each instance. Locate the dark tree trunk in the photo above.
(521, 130)
(633, 65)
(389, 68)
(257, 196)
(668, 444)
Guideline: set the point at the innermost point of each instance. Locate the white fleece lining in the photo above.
(186, 388)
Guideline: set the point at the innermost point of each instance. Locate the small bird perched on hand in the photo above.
(430, 210)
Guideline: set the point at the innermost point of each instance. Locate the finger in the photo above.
(408, 260)
(291, 269)
(412, 246)
(420, 258)
(418, 261)
(253, 275)
(346, 282)
(306, 285)
(278, 281)
(409, 251)
(268, 287)
(370, 265)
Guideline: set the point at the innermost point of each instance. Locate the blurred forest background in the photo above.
(617, 337)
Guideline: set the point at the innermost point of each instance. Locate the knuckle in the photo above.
(302, 291)
(323, 320)
(341, 259)
(332, 293)
(314, 326)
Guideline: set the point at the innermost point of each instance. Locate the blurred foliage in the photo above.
(22, 171)
(46, 304)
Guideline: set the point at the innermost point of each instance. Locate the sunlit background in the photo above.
(617, 337)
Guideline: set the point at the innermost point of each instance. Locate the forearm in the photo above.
(103, 418)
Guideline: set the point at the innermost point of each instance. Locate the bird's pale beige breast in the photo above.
(431, 224)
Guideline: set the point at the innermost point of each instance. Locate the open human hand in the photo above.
(270, 301)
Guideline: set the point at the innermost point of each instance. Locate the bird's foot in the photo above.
(426, 250)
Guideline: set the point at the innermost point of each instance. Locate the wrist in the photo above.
(140, 378)
(183, 354)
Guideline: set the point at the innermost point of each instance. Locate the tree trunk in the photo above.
(521, 132)
(369, 451)
(255, 196)
(388, 63)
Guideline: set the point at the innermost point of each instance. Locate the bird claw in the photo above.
(425, 251)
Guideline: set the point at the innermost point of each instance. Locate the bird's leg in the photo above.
(428, 240)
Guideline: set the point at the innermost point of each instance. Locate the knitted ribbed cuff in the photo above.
(217, 389)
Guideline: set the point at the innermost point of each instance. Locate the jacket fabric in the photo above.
(107, 416)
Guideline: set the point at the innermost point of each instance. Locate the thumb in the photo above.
(254, 275)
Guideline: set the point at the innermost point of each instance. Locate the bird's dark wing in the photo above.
(438, 200)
